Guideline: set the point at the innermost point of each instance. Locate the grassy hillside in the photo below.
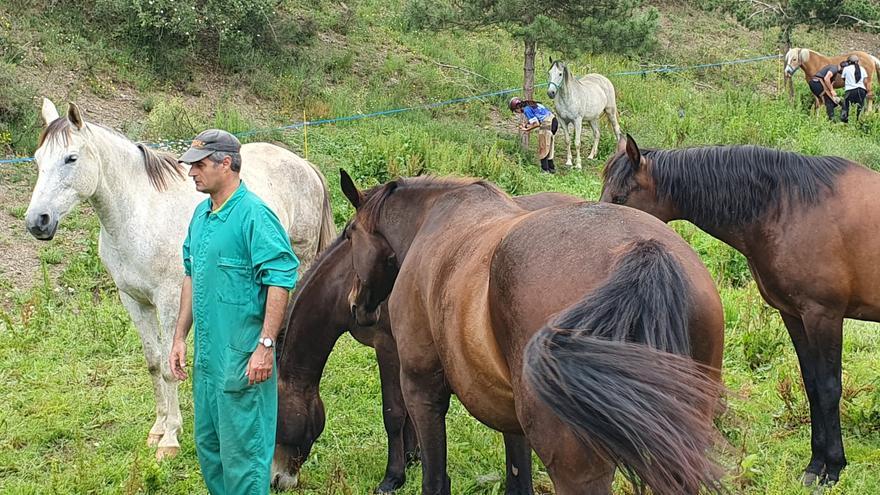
(77, 401)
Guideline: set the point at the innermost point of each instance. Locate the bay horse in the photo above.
(144, 204)
(811, 62)
(808, 228)
(318, 315)
(577, 99)
(593, 329)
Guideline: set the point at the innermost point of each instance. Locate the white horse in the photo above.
(578, 99)
(144, 203)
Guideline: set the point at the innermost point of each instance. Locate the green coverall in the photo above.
(233, 255)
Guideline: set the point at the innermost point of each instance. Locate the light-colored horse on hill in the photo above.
(144, 204)
(578, 99)
(811, 62)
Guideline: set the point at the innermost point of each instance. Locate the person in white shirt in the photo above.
(854, 76)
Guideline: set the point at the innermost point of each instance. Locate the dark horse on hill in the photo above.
(593, 329)
(808, 227)
(318, 315)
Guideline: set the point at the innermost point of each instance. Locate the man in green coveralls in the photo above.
(239, 268)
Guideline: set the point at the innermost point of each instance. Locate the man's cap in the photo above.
(207, 142)
(853, 59)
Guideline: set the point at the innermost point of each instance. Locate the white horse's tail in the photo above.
(328, 228)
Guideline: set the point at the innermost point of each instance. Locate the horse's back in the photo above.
(291, 187)
(557, 255)
(606, 85)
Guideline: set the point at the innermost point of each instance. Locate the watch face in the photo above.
(267, 342)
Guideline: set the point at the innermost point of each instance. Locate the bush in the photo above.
(18, 115)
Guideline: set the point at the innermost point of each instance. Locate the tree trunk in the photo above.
(528, 81)
(786, 46)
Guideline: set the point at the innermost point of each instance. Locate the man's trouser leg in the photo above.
(207, 441)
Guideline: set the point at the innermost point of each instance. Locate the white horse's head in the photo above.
(556, 75)
(794, 59)
(69, 170)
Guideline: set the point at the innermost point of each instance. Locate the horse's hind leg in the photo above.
(611, 112)
(595, 125)
(574, 469)
(144, 318)
(518, 455)
(168, 307)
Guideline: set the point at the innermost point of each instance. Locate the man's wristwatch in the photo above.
(267, 342)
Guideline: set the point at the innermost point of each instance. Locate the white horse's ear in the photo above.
(75, 116)
(48, 112)
(350, 190)
(633, 153)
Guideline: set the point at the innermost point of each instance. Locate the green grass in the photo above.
(77, 400)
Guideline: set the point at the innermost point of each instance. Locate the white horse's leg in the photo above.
(144, 318)
(578, 126)
(167, 307)
(595, 125)
(611, 112)
(567, 142)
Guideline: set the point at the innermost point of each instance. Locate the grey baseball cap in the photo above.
(208, 142)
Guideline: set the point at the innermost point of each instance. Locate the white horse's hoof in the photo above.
(166, 453)
(578, 166)
(153, 440)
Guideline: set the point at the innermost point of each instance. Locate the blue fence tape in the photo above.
(428, 106)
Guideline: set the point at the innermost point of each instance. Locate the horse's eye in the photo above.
(70, 158)
(619, 200)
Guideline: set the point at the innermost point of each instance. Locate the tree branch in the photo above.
(859, 22)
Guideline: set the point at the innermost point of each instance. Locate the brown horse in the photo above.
(475, 281)
(317, 317)
(812, 62)
(808, 227)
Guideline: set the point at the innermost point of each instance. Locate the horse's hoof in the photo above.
(166, 453)
(809, 479)
(390, 485)
(153, 440)
(284, 481)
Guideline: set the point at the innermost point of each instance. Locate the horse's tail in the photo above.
(328, 227)
(615, 367)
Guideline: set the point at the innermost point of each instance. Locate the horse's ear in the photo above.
(633, 153)
(75, 116)
(350, 190)
(48, 112)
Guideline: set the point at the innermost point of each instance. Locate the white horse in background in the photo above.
(578, 99)
(144, 203)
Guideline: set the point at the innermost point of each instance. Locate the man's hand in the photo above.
(836, 100)
(260, 365)
(177, 359)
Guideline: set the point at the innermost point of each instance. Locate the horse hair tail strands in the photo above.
(615, 367)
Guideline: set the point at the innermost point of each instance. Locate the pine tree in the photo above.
(618, 26)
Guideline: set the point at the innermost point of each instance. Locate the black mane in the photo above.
(733, 185)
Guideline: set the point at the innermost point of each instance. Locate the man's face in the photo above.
(208, 175)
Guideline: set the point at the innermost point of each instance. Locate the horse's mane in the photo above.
(732, 185)
(375, 198)
(159, 165)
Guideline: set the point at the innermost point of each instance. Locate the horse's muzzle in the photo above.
(41, 225)
(789, 70)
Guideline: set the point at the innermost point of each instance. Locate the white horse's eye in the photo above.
(70, 158)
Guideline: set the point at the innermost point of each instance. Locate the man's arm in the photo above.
(177, 358)
(829, 87)
(262, 360)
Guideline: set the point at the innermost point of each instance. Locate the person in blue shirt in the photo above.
(537, 116)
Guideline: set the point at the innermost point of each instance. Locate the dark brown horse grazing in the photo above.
(475, 282)
(319, 314)
(808, 227)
